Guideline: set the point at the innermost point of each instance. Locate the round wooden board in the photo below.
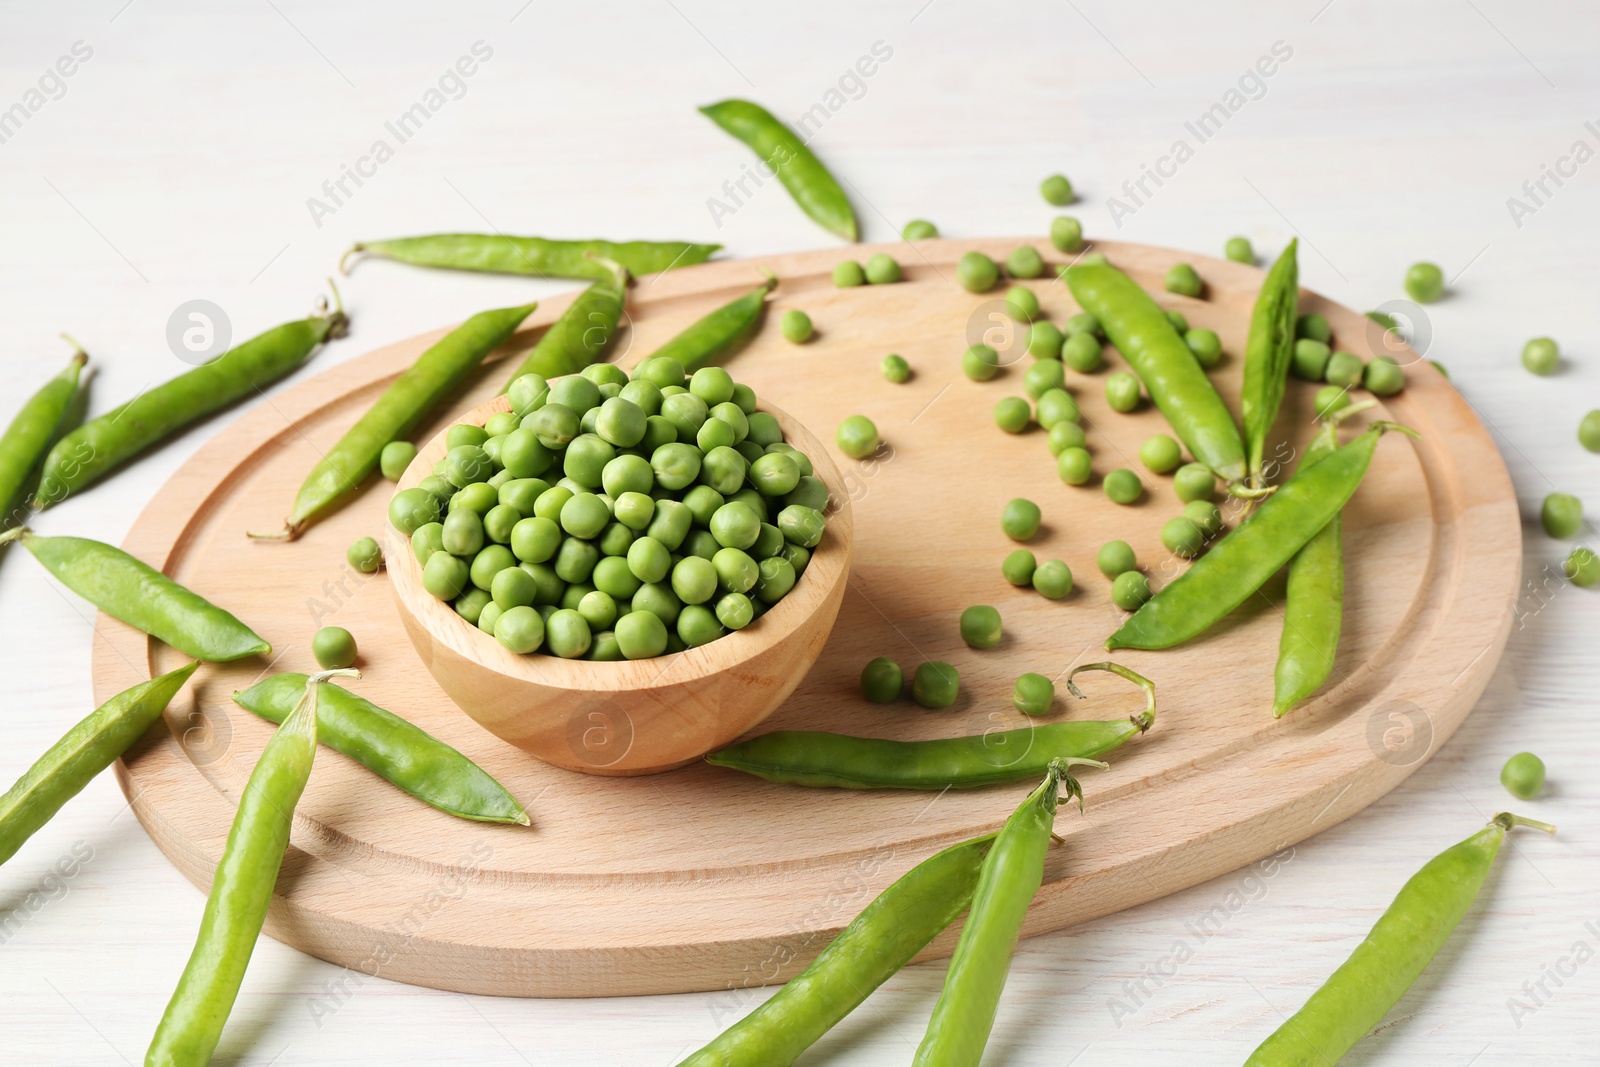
(704, 879)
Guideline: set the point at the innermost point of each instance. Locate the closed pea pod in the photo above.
(407, 401)
(782, 150)
(536, 256)
(391, 748)
(718, 332)
(90, 452)
(581, 334)
(1406, 937)
(87, 749)
(141, 596)
(1268, 352)
(34, 429)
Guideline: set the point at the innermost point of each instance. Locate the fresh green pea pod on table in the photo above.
(1268, 351)
(782, 151)
(141, 596)
(719, 332)
(581, 334)
(408, 400)
(1406, 937)
(801, 757)
(1238, 564)
(1176, 382)
(536, 256)
(391, 748)
(241, 889)
(87, 749)
(897, 925)
(94, 449)
(34, 430)
(1012, 873)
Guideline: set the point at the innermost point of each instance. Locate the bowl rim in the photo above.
(829, 566)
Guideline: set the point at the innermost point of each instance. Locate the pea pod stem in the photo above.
(535, 256)
(241, 889)
(1146, 718)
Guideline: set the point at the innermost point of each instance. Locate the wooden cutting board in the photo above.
(704, 879)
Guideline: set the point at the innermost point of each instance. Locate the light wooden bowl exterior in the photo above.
(629, 717)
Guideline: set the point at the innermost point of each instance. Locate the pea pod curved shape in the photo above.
(1403, 941)
(782, 151)
(539, 257)
(1268, 351)
(87, 749)
(1238, 564)
(94, 449)
(897, 925)
(34, 429)
(582, 333)
(390, 747)
(1313, 610)
(1147, 339)
(409, 399)
(141, 596)
(720, 331)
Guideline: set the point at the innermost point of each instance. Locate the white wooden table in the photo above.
(177, 160)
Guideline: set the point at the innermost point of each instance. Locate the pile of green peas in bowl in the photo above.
(609, 517)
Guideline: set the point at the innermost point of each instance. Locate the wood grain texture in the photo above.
(703, 879)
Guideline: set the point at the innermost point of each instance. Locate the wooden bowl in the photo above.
(632, 716)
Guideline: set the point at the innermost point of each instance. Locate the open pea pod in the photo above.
(1268, 351)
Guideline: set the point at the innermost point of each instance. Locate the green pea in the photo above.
(1383, 376)
(1541, 356)
(599, 610)
(757, 502)
(1331, 398)
(535, 539)
(470, 604)
(364, 555)
(1123, 487)
(1074, 466)
(1424, 282)
(811, 492)
(714, 385)
(1114, 558)
(490, 561)
(1194, 481)
(440, 488)
(1018, 567)
(1523, 776)
(1588, 434)
(735, 611)
(846, 275)
(724, 470)
(333, 647)
(1064, 435)
(604, 374)
(1052, 579)
(411, 508)
(778, 576)
(1055, 407)
(554, 424)
(919, 230)
(524, 454)
(1044, 340)
(585, 515)
(395, 458)
(797, 557)
(566, 634)
(463, 532)
(1562, 515)
(670, 526)
(444, 576)
(1083, 322)
(1161, 454)
(857, 437)
(698, 625)
(1206, 346)
(976, 272)
(895, 368)
(614, 577)
(1082, 352)
(1066, 233)
(646, 396)
(464, 433)
(686, 412)
(980, 363)
(642, 634)
(576, 560)
(1091, 259)
(1310, 359)
(489, 614)
(503, 422)
(1022, 303)
(426, 540)
(1025, 262)
(1013, 414)
(1582, 567)
(1129, 590)
(736, 525)
(1344, 370)
(576, 392)
(935, 684)
(1205, 515)
(549, 588)
(1182, 537)
(1313, 326)
(882, 680)
(764, 429)
(1056, 190)
(980, 626)
(1179, 323)
(1239, 250)
(736, 571)
(882, 269)
(500, 522)
(513, 588)
(527, 394)
(799, 525)
(1033, 694)
(520, 629)
(714, 433)
(1183, 280)
(1123, 391)
(479, 497)
(775, 474)
(605, 648)
(621, 422)
(573, 595)
(1020, 518)
(627, 473)
(1043, 376)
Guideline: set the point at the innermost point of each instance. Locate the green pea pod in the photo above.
(581, 334)
(34, 430)
(408, 400)
(1241, 562)
(536, 256)
(1400, 945)
(801, 757)
(781, 150)
(719, 332)
(141, 596)
(1010, 876)
(86, 750)
(241, 890)
(1268, 351)
(897, 925)
(1148, 341)
(391, 748)
(94, 449)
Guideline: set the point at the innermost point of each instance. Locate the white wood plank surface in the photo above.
(176, 162)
